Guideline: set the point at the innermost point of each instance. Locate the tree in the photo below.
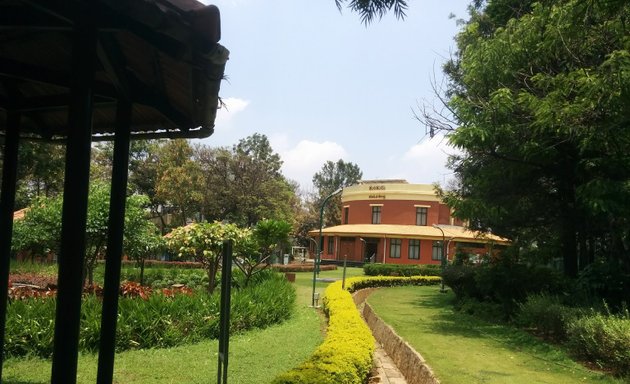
(203, 242)
(244, 184)
(40, 171)
(331, 177)
(266, 237)
(539, 91)
(145, 240)
(178, 181)
(39, 232)
(370, 9)
(144, 166)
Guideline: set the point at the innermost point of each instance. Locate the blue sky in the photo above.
(322, 86)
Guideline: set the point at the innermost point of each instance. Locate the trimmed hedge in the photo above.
(302, 267)
(377, 269)
(345, 356)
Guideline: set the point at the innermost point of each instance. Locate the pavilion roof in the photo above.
(162, 56)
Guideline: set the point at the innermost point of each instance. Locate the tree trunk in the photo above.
(142, 271)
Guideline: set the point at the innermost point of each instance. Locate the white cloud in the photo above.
(231, 107)
(306, 158)
(425, 162)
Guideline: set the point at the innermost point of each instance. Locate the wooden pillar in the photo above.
(107, 347)
(75, 195)
(7, 204)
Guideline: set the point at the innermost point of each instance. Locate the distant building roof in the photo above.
(19, 215)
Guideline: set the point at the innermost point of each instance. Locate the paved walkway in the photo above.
(385, 371)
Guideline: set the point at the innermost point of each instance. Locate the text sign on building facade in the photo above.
(376, 188)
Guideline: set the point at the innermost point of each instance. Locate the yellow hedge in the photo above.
(345, 356)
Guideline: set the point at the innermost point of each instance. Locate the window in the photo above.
(376, 214)
(331, 245)
(346, 213)
(421, 215)
(394, 248)
(437, 250)
(414, 249)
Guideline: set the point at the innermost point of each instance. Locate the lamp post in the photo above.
(314, 262)
(321, 225)
(443, 258)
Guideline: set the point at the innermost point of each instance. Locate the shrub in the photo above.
(30, 327)
(505, 282)
(377, 269)
(345, 356)
(356, 283)
(546, 315)
(602, 339)
(461, 279)
(160, 320)
(485, 310)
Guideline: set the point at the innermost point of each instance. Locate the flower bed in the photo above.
(149, 318)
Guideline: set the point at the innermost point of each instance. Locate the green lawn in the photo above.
(462, 349)
(256, 357)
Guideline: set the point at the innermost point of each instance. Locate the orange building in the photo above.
(392, 221)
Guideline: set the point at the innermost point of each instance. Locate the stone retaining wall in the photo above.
(410, 363)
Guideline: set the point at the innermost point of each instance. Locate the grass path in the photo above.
(462, 349)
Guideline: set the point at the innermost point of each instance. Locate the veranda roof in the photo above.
(456, 233)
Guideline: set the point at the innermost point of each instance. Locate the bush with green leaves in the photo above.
(603, 339)
(378, 269)
(203, 242)
(504, 282)
(157, 322)
(546, 315)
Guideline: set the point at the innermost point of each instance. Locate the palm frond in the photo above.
(368, 10)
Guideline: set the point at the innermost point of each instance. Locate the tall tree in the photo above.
(39, 232)
(144, 167)
(178, 181)
(539, 91)
(244, 184)
(40, 171)
(331, 177)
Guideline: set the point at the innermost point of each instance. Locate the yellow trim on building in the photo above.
(389, 191)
